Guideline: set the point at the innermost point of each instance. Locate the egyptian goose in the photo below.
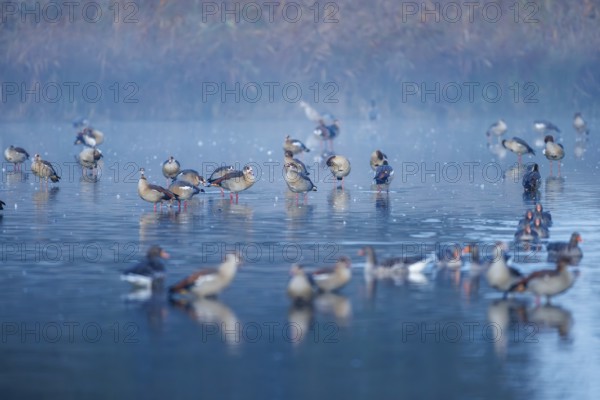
(569, 250)
(210, 281)
(148, 272)
(43, 169)
(579, 123)
(518, 146)
(333, 278)
(377, 159)
(543, 126)
(16, 155)
(539, 228)
(184, 191)
(392, 266)
(499, 275)
(553, 151)
(89, 137)
(497, 129)
(383, 176)
(526, 234)
(545, 216)
(548, 282)
(88, 158)
(153, 193)
(532, 180)
(235, 181)
(171, 168)
(288, 158)
(219, 173)
(294, 145)
(192, 176)
(328, 132)
(299, 288)
(339, 166)
(297, 182)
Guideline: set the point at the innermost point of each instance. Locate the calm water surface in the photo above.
(71, 328)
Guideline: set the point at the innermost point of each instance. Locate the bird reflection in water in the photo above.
(14, 177)
(212, 312)
(515, 173)
(150, 221)
(551, 317)
(555, 185)
(382, 204)
(152, 302)
(580, 146)
(297, 212)
(505, 314)
(41, 197)
(530, 198)
(497, 150)
(301, 316)
(336, 305)
(339, 200)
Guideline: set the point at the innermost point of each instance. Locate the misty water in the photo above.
(71, 328)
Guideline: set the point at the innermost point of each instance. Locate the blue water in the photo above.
(71, 328)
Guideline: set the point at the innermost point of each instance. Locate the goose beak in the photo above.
(466, 249)
(361, 252)
(165, 255)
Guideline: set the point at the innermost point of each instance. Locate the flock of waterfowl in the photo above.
(304, 286)
(183, 184)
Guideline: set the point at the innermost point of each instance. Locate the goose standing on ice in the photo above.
(171, 168)
(547, 282)
(294, 145)
(43, 169)
(339, 167)
(236, 181)
(299, 289)
(553, 151)
(518, 146)
(579, 123)
(209, 282)
(297, 182)
(219, 173)
(153, 193)
(16, 155)
(497, 129)
(333, 278)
